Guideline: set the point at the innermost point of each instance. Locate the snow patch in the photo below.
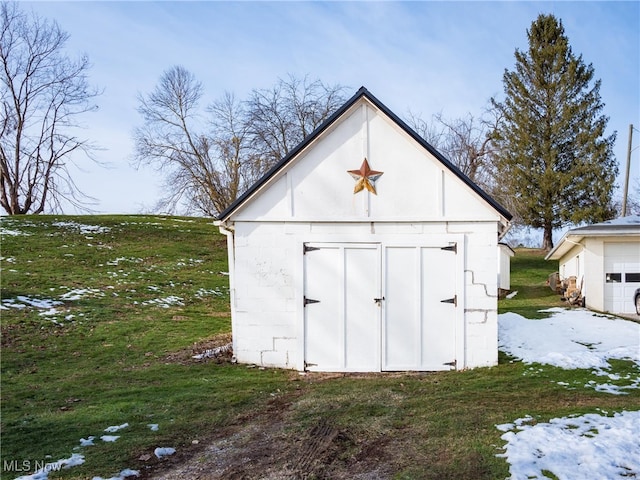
(87, 442)
(79, 293)
(127, 472)
(43, 473)
(165, 302)
(12, 233)
(82, 228)
(574, 339)
(214, 352)
(587, 446)
(163, 452)
(22, 301)
(569, 339)
(115, 428)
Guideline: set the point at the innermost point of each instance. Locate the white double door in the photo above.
(370, 307)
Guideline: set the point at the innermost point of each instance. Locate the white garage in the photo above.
(605, 259)
(364, 250)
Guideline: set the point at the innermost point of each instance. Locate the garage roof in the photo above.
(619, 227)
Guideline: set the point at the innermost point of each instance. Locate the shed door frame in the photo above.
(434, 241)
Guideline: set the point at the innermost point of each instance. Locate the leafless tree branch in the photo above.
(209, 164)
(42, 93)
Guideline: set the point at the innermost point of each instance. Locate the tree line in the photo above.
(211, 161)
(541, 150)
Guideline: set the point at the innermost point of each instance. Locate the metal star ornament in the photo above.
(365, 178)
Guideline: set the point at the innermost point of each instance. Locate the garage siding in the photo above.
(268, 311)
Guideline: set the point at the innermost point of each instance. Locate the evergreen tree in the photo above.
(553, 161)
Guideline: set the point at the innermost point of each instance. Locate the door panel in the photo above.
(411, 329)
(362, 315)
(438, 317)
(401, 336)
(342, 330)
(323, 282)
(418, 328)
(621, 266)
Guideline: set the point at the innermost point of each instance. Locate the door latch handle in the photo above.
(378, 301)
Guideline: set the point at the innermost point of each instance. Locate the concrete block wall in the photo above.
(481, 299)
(266, 311)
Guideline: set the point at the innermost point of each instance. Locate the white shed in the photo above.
(605, 259)
(364, 250)
(504, 268)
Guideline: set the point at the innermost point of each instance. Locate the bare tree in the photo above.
(281, 117)
(633, 200)
(171, 142)
(239, 168)
(465, 142)
(431, 131)
(211, 160)
(42, 93)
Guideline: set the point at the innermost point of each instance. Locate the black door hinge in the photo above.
(453, 300)
(308, 248)
(307, 301)
(451, 248)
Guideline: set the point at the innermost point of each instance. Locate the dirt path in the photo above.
(265, 447)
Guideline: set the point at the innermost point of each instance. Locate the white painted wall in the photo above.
(414, 187)
(591, 263)
(572, 264)
(268, 299)
(504, 266)
(587, 262)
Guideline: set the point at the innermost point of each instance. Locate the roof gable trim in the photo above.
(362, 92)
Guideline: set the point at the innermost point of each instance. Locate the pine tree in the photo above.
(553, 161)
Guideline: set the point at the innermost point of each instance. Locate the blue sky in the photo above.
(424, 57)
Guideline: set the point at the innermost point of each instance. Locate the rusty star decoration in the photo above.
(365, 178)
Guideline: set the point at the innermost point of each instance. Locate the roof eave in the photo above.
(566, 243)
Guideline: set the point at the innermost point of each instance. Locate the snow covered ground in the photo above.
(603, 445)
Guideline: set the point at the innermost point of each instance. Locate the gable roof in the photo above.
(362, 92)
(623, 226)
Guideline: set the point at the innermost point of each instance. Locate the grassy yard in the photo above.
(529, 273)
(116, 306)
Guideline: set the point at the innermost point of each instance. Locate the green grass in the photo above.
(529, 273)
(103, 361)
(157, 293)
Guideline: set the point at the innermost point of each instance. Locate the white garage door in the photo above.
(360, 316)
(622, 276)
